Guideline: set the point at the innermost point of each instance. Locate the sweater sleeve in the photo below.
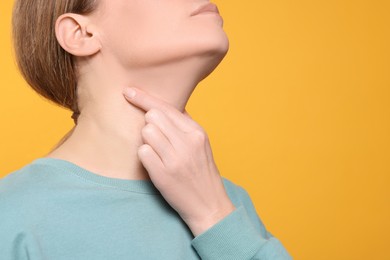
(239, 236)
(13, 239)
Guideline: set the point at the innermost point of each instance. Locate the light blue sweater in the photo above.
(52, 209)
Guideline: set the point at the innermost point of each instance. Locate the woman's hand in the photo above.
(178, 157)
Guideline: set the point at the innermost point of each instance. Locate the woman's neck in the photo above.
(108, 134)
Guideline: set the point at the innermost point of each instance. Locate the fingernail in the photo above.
(130, 93)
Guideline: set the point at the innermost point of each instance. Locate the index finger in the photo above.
(146, 102)
(143, 100)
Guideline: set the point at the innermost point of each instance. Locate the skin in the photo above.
(162, 51)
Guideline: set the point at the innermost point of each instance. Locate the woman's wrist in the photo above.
(199, 226)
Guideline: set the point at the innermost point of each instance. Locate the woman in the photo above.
(135, 178)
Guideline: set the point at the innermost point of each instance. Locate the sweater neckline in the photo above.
(138, 186)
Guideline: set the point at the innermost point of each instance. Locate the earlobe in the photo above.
(75, 36)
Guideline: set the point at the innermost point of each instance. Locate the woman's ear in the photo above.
(75, 36)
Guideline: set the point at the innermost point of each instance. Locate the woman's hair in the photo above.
(44, 64)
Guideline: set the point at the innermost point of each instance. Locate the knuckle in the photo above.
(143, 149)
(144, 152)
(149, 116)
(199, 136)
(152, 113)
(148, 129)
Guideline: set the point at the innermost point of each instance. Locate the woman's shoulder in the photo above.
(20, 186)
(15, 180)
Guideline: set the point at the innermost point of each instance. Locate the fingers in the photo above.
(166, 126)
(150, 160)
(169, 132)
(158, 141)
(143, 100)
(146, 102)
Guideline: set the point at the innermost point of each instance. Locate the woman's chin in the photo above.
(219, 43)
(212, 59)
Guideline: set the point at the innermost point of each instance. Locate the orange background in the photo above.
(298, 114)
